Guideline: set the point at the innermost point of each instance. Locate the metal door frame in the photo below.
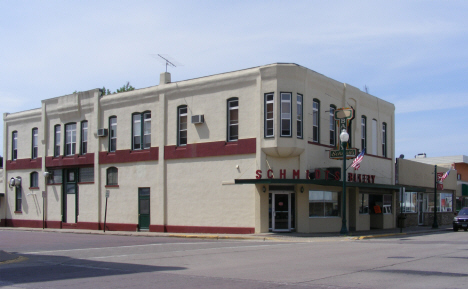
(273, 194)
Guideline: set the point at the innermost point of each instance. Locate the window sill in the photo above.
(179, 148)
(34, 188)
(18, 212)
(112, 186)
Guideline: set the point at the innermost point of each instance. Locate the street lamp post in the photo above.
(435, 225)
(344, 137)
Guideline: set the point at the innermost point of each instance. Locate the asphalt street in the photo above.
(59, 260)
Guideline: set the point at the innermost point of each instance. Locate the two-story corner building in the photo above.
(420, 182)
(239, 152)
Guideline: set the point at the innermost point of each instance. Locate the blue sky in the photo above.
(411, 53)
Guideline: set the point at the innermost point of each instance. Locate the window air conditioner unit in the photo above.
(198, 118)
(102, 132)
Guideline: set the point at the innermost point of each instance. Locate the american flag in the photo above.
(444, 176)
(357, 161)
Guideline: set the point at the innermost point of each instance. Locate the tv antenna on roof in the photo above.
(166, 60)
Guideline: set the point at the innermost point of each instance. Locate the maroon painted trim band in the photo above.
(129, 156)
(211, 149)
(24, 164)
(34, 188)
(75, 160)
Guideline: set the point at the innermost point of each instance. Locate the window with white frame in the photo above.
(34, 141)
(363, 132)
(324, 204)
(14, 145)
(300, 112)
(286, 111)
(409, 202)
(57, 140)
(182, 125)
(84, 137)
(384, 139)
(233, 119)
(332, 126)
(112, 134)
(141, 131)
(374, 136)
(316, 120)
(70, 139)
(269, 115)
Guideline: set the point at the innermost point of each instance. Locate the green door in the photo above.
(143, 208)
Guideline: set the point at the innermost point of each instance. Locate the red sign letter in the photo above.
(282, 174)
(296, 174)
(268, 174)
(259, 174)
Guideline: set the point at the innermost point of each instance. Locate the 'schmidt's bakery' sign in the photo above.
(318, 174)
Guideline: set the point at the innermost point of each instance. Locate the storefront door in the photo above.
(281, 211)
(420, 209)
(143, 208)
(70, 196)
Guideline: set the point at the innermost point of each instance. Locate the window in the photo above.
(286, 114)
(379, 203)
(269, 114)
(86, 175)
(112, 134)
(14, 145)
(332, 126)
(55, 177)
(324, 204)
(387, 204)
(445, 204)
(34, 180)
(18, 199)
(363, 132)
(409, 203)
(141, 130)
(374, 137)
(384, 140)
(363, 203)
(112, 176)
(300, 112)
(182, 125)
(57, 141)
(315, 121)
(34, 139)
(84, 137)
(70, 139)
(233, 119)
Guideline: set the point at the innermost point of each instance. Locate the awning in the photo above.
(332, 183)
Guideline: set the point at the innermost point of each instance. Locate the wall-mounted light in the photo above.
(302, 190)
(264, 189)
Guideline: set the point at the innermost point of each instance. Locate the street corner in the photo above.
(7, 258)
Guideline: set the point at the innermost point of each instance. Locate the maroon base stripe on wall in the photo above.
(128, 156)
(211, 149)
(75, 160)
(24, 164)
(125, 227)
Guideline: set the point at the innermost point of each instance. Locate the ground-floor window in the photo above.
(444, 202)
(18, 199)
(363, 203)
(324, 204)
(461, 203)
(380, 203)
(409, 202)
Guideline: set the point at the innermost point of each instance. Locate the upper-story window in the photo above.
(141, 130)
(374, 136)
(363, 132)
(233, 119)
(34, 180)
(14, 145)
(57, 140)
(269, 115)
(316, 121)
(70, 139)
(332, 125)
(182, 125)
(34, 141)
(384, 139)
(112, 134)
(299, 117)
(286, 111)
(84, 137)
